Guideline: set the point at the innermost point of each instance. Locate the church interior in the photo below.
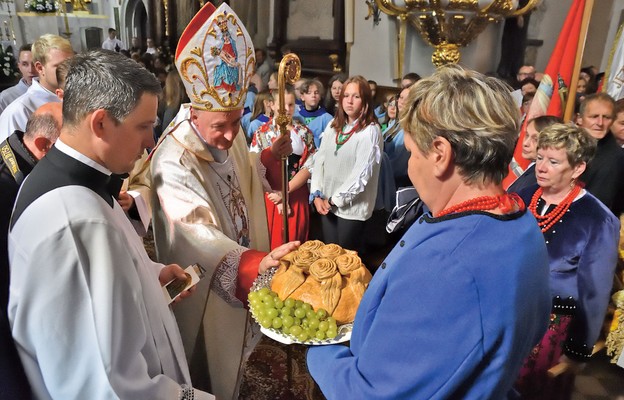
(379, 40)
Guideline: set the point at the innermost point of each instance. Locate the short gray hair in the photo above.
(103, 79)
(475, 113)
(42, 125)
(579, 145)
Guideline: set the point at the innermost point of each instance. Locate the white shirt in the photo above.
(11, 94)
(111, 44)
(16, 115)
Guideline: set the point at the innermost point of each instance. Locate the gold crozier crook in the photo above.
(288, 73)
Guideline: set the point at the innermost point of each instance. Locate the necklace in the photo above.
(506, 202)
(343, 137)
(545, 222)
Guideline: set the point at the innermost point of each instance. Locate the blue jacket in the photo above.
(451, 313)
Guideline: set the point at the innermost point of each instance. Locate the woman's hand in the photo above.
(272, 259)
(322, 205)
(275, 197)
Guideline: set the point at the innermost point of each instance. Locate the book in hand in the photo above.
(176, 286)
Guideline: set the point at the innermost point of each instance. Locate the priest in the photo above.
(208, 200)
(86, 306)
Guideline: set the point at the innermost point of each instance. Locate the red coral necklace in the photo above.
(505, 202)
(545, 222)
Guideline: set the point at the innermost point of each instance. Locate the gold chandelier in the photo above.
(448, 25)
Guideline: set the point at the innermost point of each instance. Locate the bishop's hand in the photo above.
(272, 259)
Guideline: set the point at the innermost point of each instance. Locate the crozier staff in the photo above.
(457, 304)
(208, 201)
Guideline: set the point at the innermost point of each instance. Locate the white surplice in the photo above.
(86, 307)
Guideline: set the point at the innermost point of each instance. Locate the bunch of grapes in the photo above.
(291, 317)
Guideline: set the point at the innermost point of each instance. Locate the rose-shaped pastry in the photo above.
(330, 251)
(311, 245)
(325, 272)
(355, 281)
(303, 259)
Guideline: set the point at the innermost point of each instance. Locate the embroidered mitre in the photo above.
(215, 58)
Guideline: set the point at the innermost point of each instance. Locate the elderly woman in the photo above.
(581, 235)
(529, 150)
(457, 304)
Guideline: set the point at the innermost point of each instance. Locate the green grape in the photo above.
(295, 330)
(331, 333)
(260, 312)
(302, 337)
(313, 323)
(253, 295)
(297, 321)
(278, 303)
(287, 311)
(310, 314)
(298, 303)
(331, 321)
(311, 332)
(304, 323)
(264, 290)
(266, 322)
(287, 321)
(307, 307)
(273, 294)
(300, 312)
(254, 302)
(323, 326)
(320, 335)
(322, 313)
(269, 301)
(277, 323)
(271, 312)
(289, 302)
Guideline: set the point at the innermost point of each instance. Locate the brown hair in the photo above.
(367, 116)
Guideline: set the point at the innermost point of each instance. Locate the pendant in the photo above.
(336, 152)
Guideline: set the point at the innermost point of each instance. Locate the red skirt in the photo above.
(298, 221)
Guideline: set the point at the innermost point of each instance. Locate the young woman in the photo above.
(261, 113)
(299, 172)
(333, 94)
(346, 167)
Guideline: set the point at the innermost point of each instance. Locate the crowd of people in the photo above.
(495, 285)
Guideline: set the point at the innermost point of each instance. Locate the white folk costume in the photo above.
(87, 311)
(208, 205)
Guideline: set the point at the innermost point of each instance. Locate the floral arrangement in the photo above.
(41, 6)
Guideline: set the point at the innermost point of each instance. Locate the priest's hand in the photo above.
(282, 147)
(272, 259)
(125, 200)
(171, 272)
